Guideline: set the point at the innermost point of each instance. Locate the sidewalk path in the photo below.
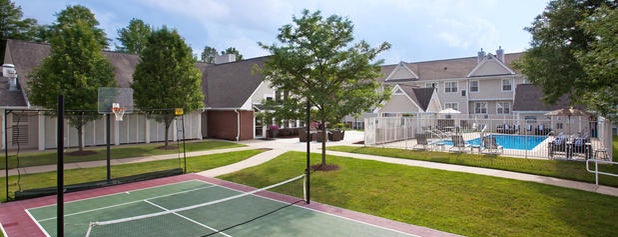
(279, 146)
(89, 164)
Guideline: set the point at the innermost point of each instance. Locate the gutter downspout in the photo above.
(238, 124)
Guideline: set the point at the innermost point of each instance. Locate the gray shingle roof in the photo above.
(444, 69)
(229, 85)
(421, 96)
(528, 98)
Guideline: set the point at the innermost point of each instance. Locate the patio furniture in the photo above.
(602, 151)
(459, 144)
(558, 145)
(336, 135)
(302, 135)
(490, 146)
(421, 142)
(321, 136)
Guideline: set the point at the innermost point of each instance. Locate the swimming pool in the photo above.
(518, 142)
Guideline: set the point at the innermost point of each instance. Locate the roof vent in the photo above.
(8, 71)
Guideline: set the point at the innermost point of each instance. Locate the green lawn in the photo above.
(73, 176)
(572, 170)
(35, 158)
(461, 203)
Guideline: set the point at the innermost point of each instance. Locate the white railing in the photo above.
(596, 169)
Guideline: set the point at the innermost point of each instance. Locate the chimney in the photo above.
(8, 71)
(500, 54)
(481, 56)
(225, 58)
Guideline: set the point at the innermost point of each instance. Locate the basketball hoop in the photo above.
(118, 111)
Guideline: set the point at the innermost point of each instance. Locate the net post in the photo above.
(60, 168)
(308, 168)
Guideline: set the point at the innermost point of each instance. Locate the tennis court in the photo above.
(199, 206)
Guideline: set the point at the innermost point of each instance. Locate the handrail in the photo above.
(596, 168)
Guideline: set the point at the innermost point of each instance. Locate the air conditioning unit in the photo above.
(463, 92)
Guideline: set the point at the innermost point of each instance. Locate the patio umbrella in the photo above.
(449, 111)
(567, 112)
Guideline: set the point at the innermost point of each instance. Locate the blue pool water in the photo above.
(519, 142)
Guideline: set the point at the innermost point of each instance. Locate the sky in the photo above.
(418, 30)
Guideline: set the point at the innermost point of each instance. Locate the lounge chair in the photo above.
(421, 142)
(459, 144)
(557, 145)
(490, 146)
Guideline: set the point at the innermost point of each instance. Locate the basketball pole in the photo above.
(60, 169)
(108, 154)
(308, 168)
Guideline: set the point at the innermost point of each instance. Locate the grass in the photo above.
(27, 159)
(572, 170)
(461, 203)
(73, 176)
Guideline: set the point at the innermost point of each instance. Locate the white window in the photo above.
(503, 108)
(450, 86)
(480, 107)
(454, 106)
(507, 85)
(474, 86)
(390, 114)
(431, 85)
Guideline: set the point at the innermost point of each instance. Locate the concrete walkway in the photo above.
(89, 164)
(279, 146)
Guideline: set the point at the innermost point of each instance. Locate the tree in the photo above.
(570, 40)
(76, 13)
(234, 51)
(166, 78)
(134, 37)
(318, 62)
(600, 61)
(209, 54)
(12, 26)
(76, 68)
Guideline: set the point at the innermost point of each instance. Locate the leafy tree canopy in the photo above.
(72, 14)
(573, 52)
(208, 54)
(134, 37)
(12, 24)
(318, 61)
(166, 77)
(234, 51)
(76, 68)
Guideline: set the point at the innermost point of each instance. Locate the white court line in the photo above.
(189, 219)
(127, 203)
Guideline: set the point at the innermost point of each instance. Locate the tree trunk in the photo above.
(168, 122)
(80, 136)
(324, 143)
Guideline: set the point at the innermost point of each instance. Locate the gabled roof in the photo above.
(28, 55)
(419, 96)
(528, 98)
(230, 85)
(444, 69)
(490, 66)
(401, 73)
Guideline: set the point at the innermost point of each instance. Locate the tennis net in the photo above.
(202, 219)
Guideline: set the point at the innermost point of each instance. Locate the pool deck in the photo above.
(540, 151)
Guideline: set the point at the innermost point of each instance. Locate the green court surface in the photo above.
(249, 215)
